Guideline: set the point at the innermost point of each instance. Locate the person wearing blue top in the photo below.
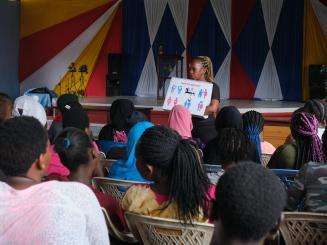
(125, 168)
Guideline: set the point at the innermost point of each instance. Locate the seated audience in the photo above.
(180, 189)
(126, 168)
(116, 130)
(56, 126)
(29, 106)
(6, 106)
(253, 123)
(41, 213)
(76, 152)
(309, 189)
(233, 146)
(74, 117)
(307, 146)
(248, 206)
(180, 120)
(228, 117)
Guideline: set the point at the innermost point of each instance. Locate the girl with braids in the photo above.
(253, 123)
(200, 69)
(180, 189)
(307, 146)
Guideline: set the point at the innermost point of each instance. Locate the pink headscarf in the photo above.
(180, 119)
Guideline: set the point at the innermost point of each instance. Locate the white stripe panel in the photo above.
(321, 13)
(148, 82)
(222, 9)
(271, 11)
(179, 10)
(222, 78)
(154, 10)
(49, 74)
(268, 86)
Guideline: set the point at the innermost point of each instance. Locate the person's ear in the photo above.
(149, 172)
(274, 231)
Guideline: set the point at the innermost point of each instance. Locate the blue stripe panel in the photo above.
(168, 36)
(252, 45)
(208, 38)
(287, 49)
(136, 44)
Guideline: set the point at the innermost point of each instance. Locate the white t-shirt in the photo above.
(51, 213)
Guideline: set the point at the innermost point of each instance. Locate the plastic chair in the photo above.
(154, 230)
(304, 228)
(265, 158)
(214, 172)
(286, 175)
(113, 187)
(113, 231)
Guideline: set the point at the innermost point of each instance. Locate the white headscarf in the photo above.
(29, 106)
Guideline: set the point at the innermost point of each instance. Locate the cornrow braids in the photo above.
(177, 160)
(207, 64)
(253, 123)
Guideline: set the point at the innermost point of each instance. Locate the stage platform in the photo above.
(156, 105)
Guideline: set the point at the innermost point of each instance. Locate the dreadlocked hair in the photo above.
(253, 123)
(177, 160)
(304, 129)
(207, 64)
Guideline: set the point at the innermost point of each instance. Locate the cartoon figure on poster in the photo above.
(194, 95)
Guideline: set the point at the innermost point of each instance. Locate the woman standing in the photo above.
(200, 69)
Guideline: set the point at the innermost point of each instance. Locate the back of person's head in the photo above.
(23, 141)
(73, 147)
(135, 118)
(29, 106)
(304, 129)
(75, 117)
(120, 111)
(163, 154)
(233, 146)
(71, 105)
(318, 108)
(180, 119)
(64, 100)
(5, 106)
(229, 117)
(253, 123)
(249, 203)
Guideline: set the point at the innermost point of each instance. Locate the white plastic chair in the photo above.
(158, 231)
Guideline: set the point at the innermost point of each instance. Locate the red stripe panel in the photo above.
(40, 47)
(112, 44)
(241, 86)
(194, 14)
(241, 10)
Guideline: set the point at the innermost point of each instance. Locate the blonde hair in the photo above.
(207, 64)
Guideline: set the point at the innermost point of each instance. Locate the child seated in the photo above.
(180, 188)
(248, 206)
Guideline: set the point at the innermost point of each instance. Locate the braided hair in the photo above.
(177, 160)
(207, 65)
(253, 123)
(304, 129)
(318, 108)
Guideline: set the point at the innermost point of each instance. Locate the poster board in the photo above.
(194, 95)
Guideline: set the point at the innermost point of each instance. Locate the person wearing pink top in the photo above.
(76, 118)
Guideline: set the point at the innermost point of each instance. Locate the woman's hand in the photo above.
(212, 108)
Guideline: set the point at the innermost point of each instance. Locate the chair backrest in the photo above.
(265, 158)
(154, 230)
(286, 175)
(304, 228)
(113, 231)
(113, 187)
(212, 168)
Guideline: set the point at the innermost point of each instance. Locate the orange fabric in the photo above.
(37, 15)
(314, 45)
